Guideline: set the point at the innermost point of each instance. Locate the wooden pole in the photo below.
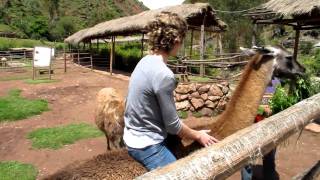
(254, 35)
(78, 55)
(64, 57)
(202, 70)
(296, 44)
(112, 53)
(91, 61)
(220, 43)
(191, 43)
(98, 45)
(142, 45)
(221, 160)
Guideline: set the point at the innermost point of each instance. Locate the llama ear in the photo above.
(268, 51)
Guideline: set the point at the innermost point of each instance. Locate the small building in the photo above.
(200, 17)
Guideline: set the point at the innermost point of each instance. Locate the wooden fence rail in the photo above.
(221, 160)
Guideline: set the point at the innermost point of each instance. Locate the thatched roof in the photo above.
(293, 7)
(193, 13)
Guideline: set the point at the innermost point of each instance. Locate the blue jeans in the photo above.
(153, 156)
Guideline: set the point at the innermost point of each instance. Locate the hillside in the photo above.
(56, 19)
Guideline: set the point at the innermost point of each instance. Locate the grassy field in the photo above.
(11, 170)
(57, 137)
(7, 43)
(14, 107)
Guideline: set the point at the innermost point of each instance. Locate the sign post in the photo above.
(42, 59)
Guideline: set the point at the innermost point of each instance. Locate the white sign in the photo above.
(42, 56)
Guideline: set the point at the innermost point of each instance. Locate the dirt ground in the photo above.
(72, 100)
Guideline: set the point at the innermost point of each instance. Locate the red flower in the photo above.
(258, 118)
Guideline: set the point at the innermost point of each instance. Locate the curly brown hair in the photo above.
(165, 31)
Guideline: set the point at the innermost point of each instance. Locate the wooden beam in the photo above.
(254, 35)
(142, 45)
(221, 160)
(296, 44)
(202, 69)
(191, 43)
(64, 57)
(112, 53)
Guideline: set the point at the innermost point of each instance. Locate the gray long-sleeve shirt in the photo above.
(150, 109)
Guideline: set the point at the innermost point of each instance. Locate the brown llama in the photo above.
(109, 116)
(239, 113)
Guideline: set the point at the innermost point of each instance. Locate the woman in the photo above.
(150, 112)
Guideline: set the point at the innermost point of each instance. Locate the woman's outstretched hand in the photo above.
(205, 139)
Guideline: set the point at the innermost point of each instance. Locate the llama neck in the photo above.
(244, 103)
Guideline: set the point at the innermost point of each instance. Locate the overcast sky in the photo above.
(155, 4)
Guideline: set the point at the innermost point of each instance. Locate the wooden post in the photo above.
(112, 53)
(296, 44)
(98, 45)
(202, 69)
(191, 43)
(91, 61)
(50, 63)
(78, 55)
(221, 160)
(142, 45)
(254, 35)
(64, 57)
(220, 43)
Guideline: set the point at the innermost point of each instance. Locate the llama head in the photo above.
(284, 65)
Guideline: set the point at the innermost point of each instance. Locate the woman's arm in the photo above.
(201, 136)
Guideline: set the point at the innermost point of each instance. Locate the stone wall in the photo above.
(208, 99)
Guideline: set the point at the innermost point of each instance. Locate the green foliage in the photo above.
(7, 43)
(281, 100)
(128, 55)
(57, 137)
(311, 62)
(197, 114)
(198, 79)
(14, 107)
(183, 114)
(10, 170)
(303, 88)
(56, 19)
(306, 48)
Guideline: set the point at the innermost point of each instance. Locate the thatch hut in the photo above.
(199, 16)
(300, 14)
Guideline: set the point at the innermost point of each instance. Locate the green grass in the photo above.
(11, 170)
(183, 114)
(199, 79)
(197, 114)
(14, 107)
(14, 78)
(7, 43)
(40, 81)
(57, 137)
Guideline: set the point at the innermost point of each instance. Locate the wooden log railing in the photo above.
(221, 160)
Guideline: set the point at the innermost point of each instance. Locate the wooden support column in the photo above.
(142, 45)
(112, 53)
(202, 69)
(91, 61)
(254, 35)
(221, 160)
(64, 57)
(220, 43)
(78, 55)
(98, 45)
(191, 43)
(296, 44)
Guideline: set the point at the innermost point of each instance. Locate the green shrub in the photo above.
(57, 137)
(11, 170)
(197, 114)
(7, 43)
(14, 107)
(183, 114)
